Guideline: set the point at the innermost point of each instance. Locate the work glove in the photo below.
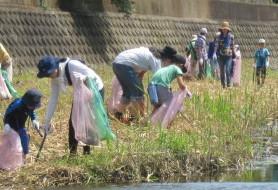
(214, 57)
(36, 124)
(80, 78)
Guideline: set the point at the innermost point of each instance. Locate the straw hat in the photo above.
(225, 25)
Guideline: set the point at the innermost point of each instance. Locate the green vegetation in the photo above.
(213, 132)
(124, 6)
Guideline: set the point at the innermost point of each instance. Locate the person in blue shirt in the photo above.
(261, 60)
(17, 113)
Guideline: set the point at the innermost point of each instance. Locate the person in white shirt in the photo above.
(130, 66)
(63, 71)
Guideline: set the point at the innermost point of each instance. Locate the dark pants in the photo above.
(72, 141)
(225, 63)
(260, 75)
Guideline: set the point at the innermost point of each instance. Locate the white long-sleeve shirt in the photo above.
(77, 70)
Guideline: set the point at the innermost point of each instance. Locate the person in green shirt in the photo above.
(159, 89)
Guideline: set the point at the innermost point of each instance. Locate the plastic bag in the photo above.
(153, 94)
(4, 91)
(10, 151)
(82, 115)
(165, 114)
(89, 117)
(115, 101)
(9, 85)
(101, 118)
(237, 69)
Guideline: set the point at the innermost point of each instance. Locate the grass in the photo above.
(213, 131)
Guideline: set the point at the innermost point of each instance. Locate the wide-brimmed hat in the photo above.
(168, 52)
(32, 98)
(47, 66)
(225, 25)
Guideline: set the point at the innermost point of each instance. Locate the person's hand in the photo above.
(214, 57)
(80, 78)
(36, 124)
(254, 65)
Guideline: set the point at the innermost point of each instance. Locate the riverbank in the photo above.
(213, 133)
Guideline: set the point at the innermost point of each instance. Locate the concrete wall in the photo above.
(252, 10)
(98, 38)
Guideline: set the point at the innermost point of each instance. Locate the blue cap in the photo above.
(47, 66)
(32, 98)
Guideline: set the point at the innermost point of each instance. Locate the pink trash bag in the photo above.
(11, 155)
(82, 115)
(115, 101)
(165, 114)
(237, 69)
(4, 91)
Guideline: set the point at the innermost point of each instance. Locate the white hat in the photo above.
(261, 41)
(203, 31)
(194, 36)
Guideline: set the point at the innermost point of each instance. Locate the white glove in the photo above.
(79, 77)
(214, 57)
(36, 124)
(254, 65)
(7, 128)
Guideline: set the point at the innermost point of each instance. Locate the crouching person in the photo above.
(88, 121)
(18, 112)
(159, 88)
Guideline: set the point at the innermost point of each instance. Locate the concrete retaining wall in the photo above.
(97, 38)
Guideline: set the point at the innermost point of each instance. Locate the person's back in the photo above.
(141, 59)
(166, 75)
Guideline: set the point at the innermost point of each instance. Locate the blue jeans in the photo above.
(132, 86)
(24, 138)
(225, 64)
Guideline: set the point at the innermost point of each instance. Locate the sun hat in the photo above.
(32, 98)
(47, 66)
(225, 25)
(261, 41)
(204, 31)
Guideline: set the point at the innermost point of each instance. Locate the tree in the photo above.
(123, 5)
(275, 1)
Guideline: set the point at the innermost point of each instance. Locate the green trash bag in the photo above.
(9, 85)
(208, 70)
(102, 122)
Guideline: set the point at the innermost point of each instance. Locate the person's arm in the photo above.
(181, 83)
(52, 102)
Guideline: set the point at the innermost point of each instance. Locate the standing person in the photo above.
(65, 72)
(224, 50)
(261, 58)
(159, 88)
(236, 74)
(212, 60)
(18, 112)
(6, 72)
(201, 52)
(191, 56)
(130, 66)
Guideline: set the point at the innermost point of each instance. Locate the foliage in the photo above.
(124, 6)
